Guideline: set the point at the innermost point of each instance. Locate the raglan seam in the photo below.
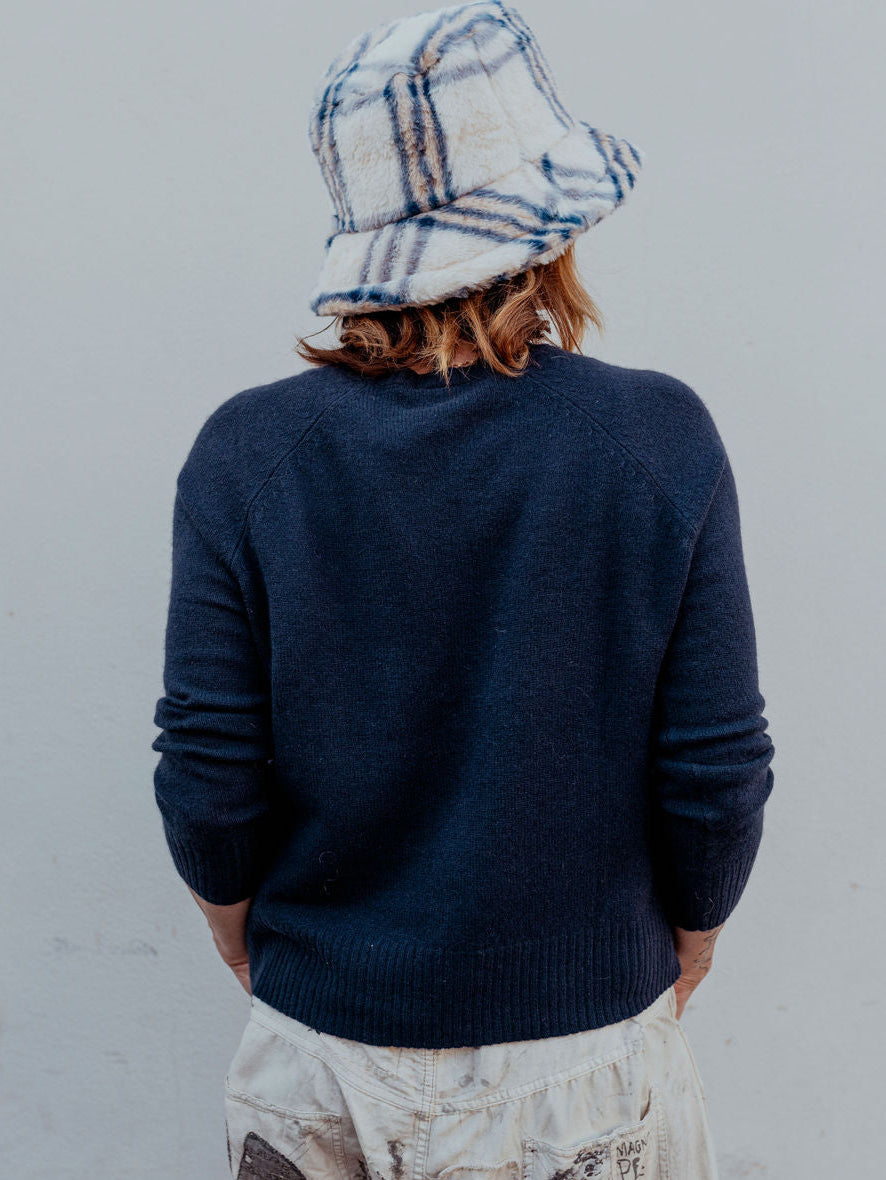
(278, 462)
(634, 459)
(678, 603)
(193, 512)
(199, 521)
(712, 496)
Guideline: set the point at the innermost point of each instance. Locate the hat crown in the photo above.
(368, 61)
(421, 110)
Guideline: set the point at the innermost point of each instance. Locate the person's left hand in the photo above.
(227, 924)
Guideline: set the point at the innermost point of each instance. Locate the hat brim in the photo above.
(525, 218)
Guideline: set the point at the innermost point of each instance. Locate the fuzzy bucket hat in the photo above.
(450, 160)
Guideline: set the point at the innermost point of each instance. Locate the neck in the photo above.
(465, 354)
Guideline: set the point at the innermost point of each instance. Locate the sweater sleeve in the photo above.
(710, 751)
(210, 783)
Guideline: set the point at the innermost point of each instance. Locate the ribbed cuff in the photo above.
(222, 871)
(701, 901)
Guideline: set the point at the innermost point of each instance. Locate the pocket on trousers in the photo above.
(279, 1119)
(266, 1143)
(626, 1153)
(503, 1170)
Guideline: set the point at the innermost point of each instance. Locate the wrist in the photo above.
(227, 924)
(695, 949)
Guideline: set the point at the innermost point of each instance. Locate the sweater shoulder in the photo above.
(241, 442)
(658, 420)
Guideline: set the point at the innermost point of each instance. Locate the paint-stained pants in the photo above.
(622, 1101)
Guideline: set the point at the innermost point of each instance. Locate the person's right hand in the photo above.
(695, 950)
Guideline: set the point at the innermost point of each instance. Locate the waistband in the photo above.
(401, 1076)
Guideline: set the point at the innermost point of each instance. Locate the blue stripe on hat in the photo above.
(326, 128)
(411, 206)
(440, 142)
(540, 72)
(583, 175)
(599, 143)
(420, 123)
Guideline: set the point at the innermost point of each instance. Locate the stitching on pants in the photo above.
(356, 1080)
(426, 1114)
(537, 1085)
(694, 1066)
(662, 1128)
(621, 1053)
(314, 1116)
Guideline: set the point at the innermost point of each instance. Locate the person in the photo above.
(462, 746)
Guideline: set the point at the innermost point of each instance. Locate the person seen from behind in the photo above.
(462, 749)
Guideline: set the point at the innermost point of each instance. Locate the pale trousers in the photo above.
(622, 1101)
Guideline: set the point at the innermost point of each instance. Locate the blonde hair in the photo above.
(500, 321)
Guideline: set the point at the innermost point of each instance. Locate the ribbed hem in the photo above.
(701, 901)
(223, 872)
(393, 992)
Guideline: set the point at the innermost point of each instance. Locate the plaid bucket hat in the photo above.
(450, 160)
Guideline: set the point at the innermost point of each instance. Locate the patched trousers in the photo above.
(622, 1101)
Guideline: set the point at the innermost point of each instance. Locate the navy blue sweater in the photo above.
(461, 687)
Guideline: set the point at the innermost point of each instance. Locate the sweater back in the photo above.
(460, 687)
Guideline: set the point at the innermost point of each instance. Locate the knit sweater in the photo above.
(461, 688)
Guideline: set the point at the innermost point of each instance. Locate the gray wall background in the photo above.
(163, 221)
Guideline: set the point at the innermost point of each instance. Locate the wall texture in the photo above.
(163, 222)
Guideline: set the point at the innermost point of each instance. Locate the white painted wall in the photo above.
(163, 221)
